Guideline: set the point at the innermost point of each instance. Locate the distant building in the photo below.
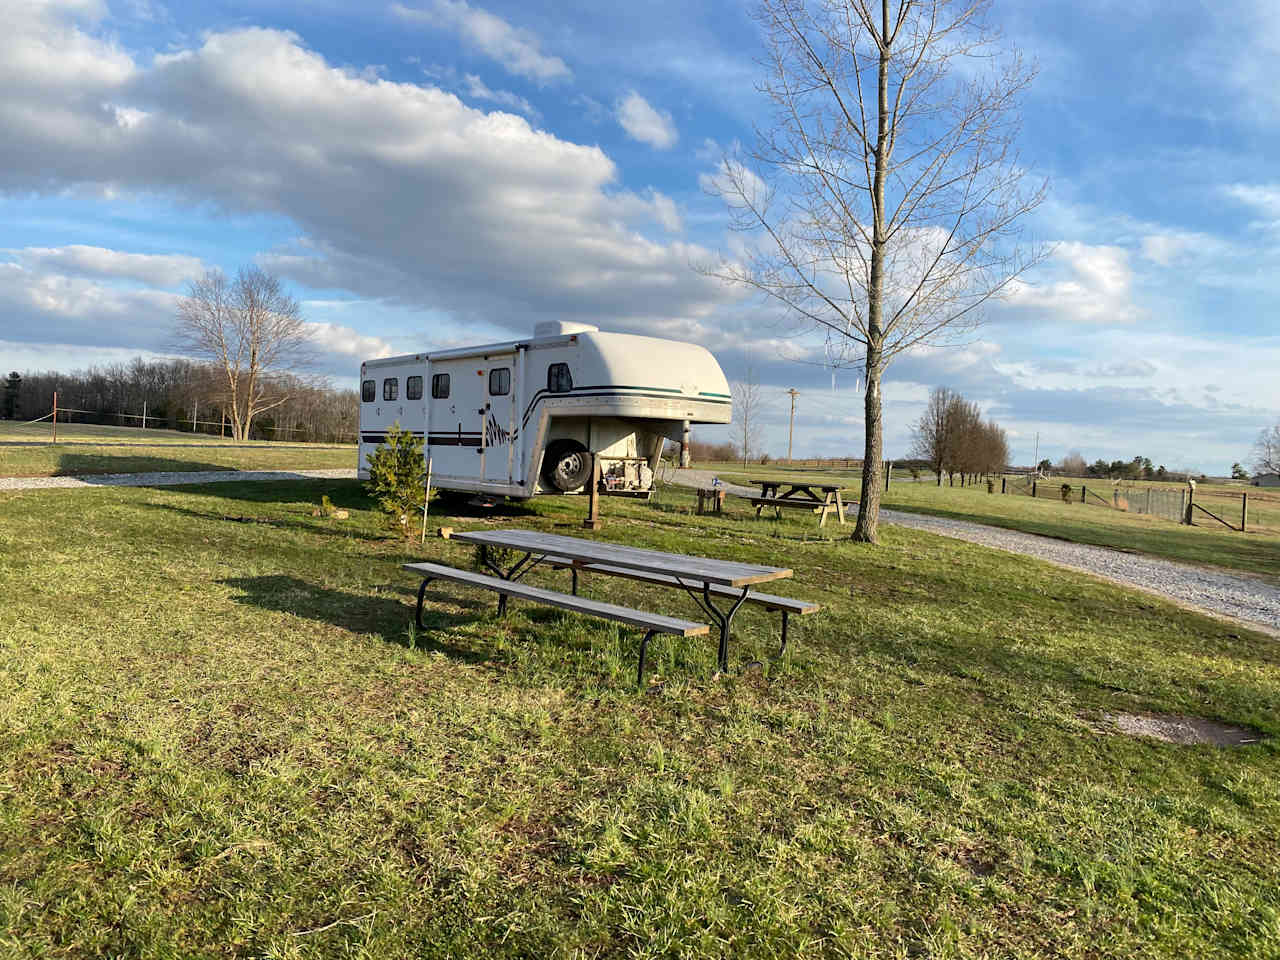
(1267, 480)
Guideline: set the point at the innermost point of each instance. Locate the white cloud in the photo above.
(477, 89)
(642, 122)
(666, 212)
(514, 48)
(402, 192)
(335, 339)
(1084, 283)
(1165, 249)
(158, 270)
(1263, 198)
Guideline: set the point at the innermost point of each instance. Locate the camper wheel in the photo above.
(566, 465)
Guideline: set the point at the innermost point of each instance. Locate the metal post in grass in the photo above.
(1033, 489)
(1244, 510)
(55, 416)
(1084, 490)
(593, 496)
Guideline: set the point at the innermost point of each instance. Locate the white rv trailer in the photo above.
(521, 418)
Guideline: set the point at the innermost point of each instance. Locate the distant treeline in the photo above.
(179, 395)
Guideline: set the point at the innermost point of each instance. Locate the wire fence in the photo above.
(1182, 504)
(143, 422)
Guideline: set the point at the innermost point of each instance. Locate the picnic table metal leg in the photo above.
(574, 573)
(417, 613)
(644, 646)
(783, 648)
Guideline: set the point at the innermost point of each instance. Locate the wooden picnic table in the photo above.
(697, 575)
(800, 493)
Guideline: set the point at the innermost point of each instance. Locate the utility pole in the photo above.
(791, 429)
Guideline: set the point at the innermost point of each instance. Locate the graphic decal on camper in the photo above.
(495, 435)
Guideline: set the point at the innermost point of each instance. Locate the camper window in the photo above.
(559, 380)
(368, 391)
(440, 386)
(390, 388)
(499, 381)
(413, 388)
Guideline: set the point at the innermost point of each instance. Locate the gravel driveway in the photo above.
(171, 478)
(1237, 596)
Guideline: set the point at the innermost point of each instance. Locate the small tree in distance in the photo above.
(746, 410)
(1266, 452)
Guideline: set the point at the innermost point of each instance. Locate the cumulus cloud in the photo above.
(402, 191)
(158, 270)
(333, 338)
(516, 49)
(642, 122)
(1086, 283)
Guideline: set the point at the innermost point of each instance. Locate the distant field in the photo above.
(87, 449)
(1257, 551)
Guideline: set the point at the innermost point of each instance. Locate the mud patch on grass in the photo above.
(1179, 729)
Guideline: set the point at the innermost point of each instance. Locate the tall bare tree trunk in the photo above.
(866, 529)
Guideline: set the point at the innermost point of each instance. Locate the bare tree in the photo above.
(252, 331)
(747, 401)
(1266, 452)
(883, 199)
(1073, 465)
(931, 438)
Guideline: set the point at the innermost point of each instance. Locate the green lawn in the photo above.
(219, 737)
(1206, 543)
(26, 452)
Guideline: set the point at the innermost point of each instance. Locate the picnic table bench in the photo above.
(770, 602)
(701, 577)
(801, 494)
(653, 623)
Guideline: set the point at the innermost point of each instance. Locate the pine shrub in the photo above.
(397, 478)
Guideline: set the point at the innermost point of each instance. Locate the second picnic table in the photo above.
(800, 493)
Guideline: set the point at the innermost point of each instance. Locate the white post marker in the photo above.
(428, 498)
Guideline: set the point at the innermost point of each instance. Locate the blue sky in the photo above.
(435, 172)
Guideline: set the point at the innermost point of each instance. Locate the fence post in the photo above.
(1002, 483)
(1084, 489)
(1148, 501)
(1033, 489)
(1244, 510)
(55, 416)
(1182, 504)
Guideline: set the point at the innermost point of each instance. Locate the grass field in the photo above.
(220, 738)
(88, 449)
(1206, 543)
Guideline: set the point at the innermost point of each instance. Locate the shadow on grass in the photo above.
(97, 464)
(389, 617)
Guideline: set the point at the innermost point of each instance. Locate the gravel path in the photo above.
(169, 478)
(1236, 596)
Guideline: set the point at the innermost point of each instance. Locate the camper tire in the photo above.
(567, 465)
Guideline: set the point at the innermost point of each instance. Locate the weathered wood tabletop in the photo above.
(698, 570)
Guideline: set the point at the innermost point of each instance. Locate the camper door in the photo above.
(457, 399)
(498, 441)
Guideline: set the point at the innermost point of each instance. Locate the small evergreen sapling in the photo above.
(397, 477)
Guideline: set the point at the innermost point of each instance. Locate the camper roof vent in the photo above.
(559, 328)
